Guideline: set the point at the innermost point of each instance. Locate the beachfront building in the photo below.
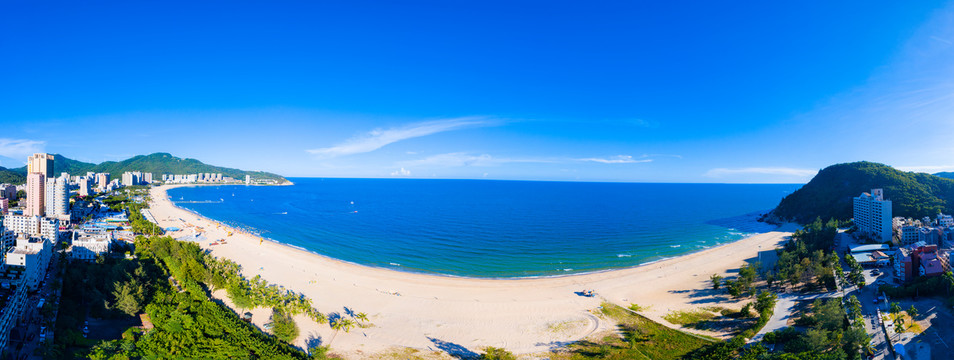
(87, 246)
(32, 225)
(35, 192)
(40, 163)
(147, 178)
(193, 178)
(33, 254)
(57, 199)
(872, 215)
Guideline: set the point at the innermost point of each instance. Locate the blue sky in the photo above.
(614, 91)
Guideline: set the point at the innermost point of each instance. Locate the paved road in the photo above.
(867, 296)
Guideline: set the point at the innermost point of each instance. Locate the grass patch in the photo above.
(638, 308)
(564, 326)
(641, 339)
(412, 354)
(688, 317)
(715, 309)
(910, 325)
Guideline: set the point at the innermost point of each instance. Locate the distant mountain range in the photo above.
(157, 164)
(829, 194)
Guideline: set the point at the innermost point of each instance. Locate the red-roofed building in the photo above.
(917, 260)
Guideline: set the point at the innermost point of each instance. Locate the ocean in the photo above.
(491, 229)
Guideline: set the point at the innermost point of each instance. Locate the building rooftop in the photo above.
(932, 267)
(25, 251)
(869, 248)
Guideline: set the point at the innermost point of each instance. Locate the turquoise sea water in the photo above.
(481, 228)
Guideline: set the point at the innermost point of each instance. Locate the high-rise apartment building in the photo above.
(40, 163)
(57, 198)
(35, 192)
(102, 180)
(873, 215)
(84, 188)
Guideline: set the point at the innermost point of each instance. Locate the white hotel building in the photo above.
(87, 246)
(32, 225)
(33, 253)
(872, 215)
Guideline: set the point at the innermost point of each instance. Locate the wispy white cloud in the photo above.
(458, 159)
(723, 172)
(618, 159)
(379, 138)
(463, 159)
(20, 148)
(401, 172)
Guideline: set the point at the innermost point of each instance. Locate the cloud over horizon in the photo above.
(20, 148)
(378, 138)
(618, 159)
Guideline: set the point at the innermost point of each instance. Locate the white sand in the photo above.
(435, 312)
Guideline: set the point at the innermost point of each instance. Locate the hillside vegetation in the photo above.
(829, 194)
(8, 176)
(158, 164)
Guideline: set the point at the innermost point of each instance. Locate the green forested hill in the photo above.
(158, 164)
(8, 176)
(829, 194)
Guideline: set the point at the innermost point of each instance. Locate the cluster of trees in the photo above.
(735, 347)
(808, 259)
(107, 288)
(187, 323)
(829, 334)
(137, 222)
(829, 193)
(188, 262)
(743, 285)
(856, 275)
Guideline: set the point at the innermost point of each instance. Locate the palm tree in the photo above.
(868, 348)
(362, 317)
(340, 324)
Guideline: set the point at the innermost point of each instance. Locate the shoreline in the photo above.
(421, 310)
(427, 273)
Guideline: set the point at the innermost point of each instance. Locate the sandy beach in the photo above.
(430, 312)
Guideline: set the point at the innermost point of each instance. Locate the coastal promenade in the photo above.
(431, 312)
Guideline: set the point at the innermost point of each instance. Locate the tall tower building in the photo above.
(57, 198)
(84, 188)
(35, 193)
(41, 163)
(872, 215)
(102, 179)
